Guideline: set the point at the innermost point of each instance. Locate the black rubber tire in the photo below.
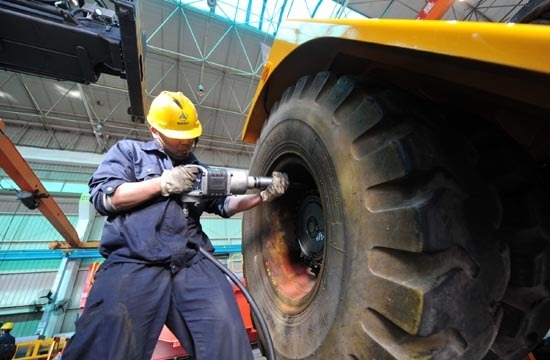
(543, 351)
(525, 195)
(411, 267)
(534, 12)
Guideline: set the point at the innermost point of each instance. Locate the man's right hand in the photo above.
(178, 180)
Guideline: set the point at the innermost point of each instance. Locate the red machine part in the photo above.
(244, 307)
(89, 282)
(434, 9)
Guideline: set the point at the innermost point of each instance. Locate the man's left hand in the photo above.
(277, 188)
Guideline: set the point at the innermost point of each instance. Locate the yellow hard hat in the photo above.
(7, 326)
(174, 116)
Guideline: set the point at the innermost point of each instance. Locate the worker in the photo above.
(6, 338)
(7, 341)
(153, 274)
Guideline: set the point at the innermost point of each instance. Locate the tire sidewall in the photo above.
(301, 334)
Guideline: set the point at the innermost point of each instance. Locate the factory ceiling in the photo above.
(213, 51)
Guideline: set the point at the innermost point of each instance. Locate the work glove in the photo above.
(178, 180)
(277, 187)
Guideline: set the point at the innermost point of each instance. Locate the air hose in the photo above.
(270, 352)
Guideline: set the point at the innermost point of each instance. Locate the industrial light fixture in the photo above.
(5, 94)
(200, 90)
(31, 199)
(98, 129)
(77, 3)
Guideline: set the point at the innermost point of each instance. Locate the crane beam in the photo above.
(21, 173)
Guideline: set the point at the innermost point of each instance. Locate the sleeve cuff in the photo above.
(108, 188)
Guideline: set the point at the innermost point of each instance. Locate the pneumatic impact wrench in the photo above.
(218, 182)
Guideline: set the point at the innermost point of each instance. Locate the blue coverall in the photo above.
(153, 275)
(6, 339)
(7, 346)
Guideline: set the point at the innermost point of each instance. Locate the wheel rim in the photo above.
(294, 250)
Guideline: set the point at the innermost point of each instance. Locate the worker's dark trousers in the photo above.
(129, 304)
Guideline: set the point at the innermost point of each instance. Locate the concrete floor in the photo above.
(257, 354)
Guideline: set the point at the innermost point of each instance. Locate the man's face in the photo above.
(177, 149)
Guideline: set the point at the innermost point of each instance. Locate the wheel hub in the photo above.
(311, 232)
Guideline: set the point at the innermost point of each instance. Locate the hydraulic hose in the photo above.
(270, 351)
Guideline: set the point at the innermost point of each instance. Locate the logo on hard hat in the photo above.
(182, 117)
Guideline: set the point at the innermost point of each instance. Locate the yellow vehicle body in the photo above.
(504, 59)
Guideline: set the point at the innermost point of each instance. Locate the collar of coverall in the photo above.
(154, 145)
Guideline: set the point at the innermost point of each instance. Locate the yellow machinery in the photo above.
(417, 226)
(45, 349)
